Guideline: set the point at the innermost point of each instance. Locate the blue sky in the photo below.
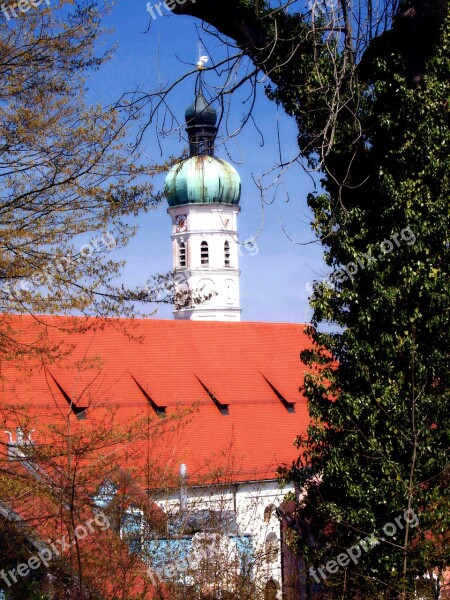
(273, 281)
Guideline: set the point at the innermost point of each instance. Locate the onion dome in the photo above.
(200, 113)
(202, 179)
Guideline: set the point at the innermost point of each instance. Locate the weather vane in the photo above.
(202, 58)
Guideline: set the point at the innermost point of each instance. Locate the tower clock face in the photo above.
(181, 223)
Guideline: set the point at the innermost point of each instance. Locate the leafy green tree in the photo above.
(369, 91)
(379, 445)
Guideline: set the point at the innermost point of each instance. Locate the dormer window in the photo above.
(204, 254)
(182, 255)
(227, 254)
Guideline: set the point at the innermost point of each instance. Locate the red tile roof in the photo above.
(242, 379)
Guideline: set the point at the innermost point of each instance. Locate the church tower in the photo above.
(203, 193)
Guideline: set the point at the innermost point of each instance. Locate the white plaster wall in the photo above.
(214, 224)
(249, 501)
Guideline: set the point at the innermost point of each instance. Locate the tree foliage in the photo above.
(70, 184)
(380, 443)
(79, 489)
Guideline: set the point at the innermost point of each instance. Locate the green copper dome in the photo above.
(202, 179)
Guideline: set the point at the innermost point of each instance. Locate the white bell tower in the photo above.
(203, 193)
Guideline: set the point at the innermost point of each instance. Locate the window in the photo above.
(105, 494)
(182, 255)
(271, 590)
(204, 254)
(201, 146)
(131, 528)
(271, 547)
(268, 511)
(227, 253)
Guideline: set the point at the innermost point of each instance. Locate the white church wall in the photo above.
(253, 505)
